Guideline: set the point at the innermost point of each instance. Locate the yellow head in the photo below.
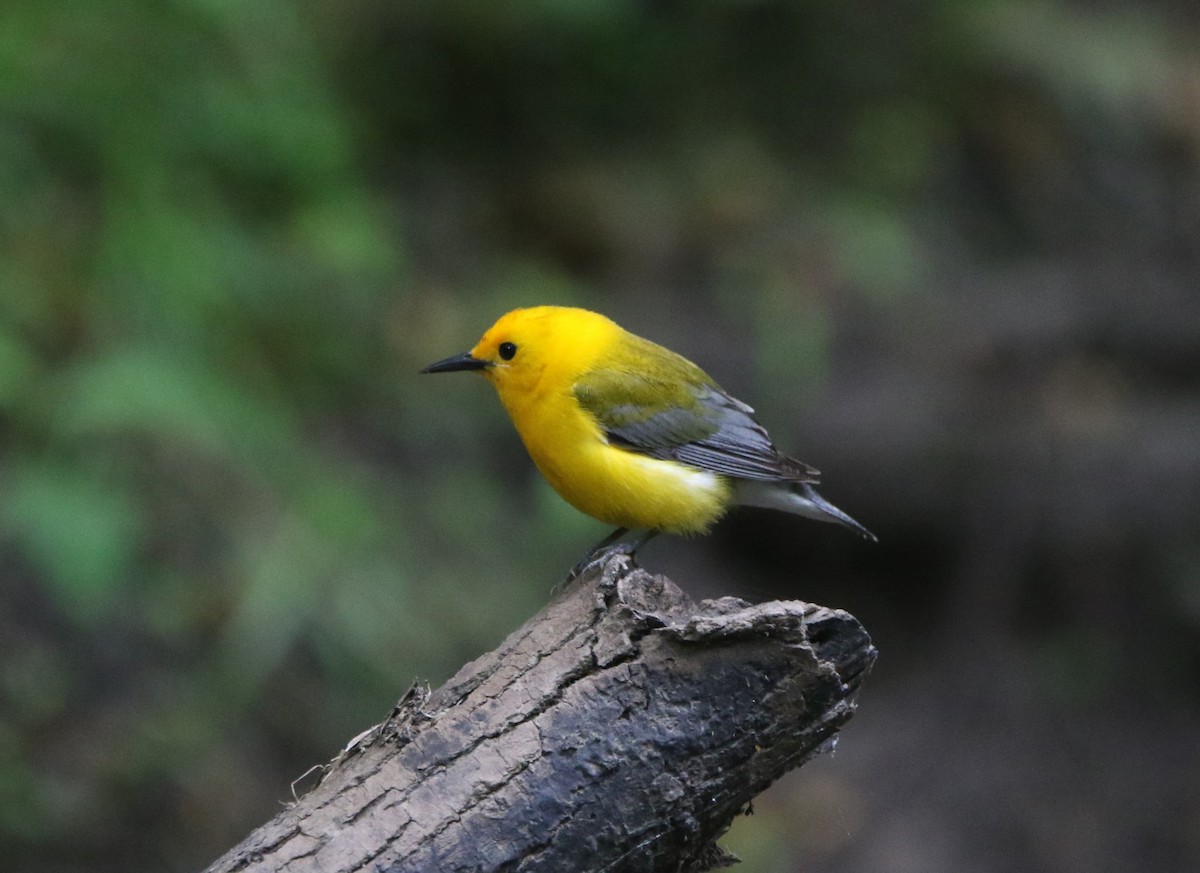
(531, 351)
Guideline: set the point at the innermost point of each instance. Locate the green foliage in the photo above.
(233, 518)
(80, 529)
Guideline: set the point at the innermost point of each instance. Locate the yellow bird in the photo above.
(630, 432)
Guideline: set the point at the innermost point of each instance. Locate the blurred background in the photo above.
(950, 250)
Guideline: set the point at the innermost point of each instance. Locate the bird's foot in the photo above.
(611, 545)
(597, 558)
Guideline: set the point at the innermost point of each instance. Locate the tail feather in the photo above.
(798, 498)
(826, 511)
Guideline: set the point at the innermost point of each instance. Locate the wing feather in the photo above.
(674, 411)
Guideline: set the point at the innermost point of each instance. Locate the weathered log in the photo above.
(622, 728)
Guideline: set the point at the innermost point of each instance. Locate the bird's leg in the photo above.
(595, 553)
(608, 546)
(641, 540)
(606, 542)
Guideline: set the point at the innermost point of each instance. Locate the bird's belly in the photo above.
(634, 491)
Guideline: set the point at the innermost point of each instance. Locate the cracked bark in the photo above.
(620, 729)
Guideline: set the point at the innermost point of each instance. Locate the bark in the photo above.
(622, 728)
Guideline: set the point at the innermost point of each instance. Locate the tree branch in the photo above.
(622, 728)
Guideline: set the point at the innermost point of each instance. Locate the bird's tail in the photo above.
(799, 498)
(823, 510)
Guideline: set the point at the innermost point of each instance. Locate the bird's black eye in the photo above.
(508, 350)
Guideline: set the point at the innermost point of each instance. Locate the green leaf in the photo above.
(150, 391)
(81, 530)
(17, 367)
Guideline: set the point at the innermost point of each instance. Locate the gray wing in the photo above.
(693, 422)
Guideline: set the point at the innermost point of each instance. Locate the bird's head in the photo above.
(528, 346)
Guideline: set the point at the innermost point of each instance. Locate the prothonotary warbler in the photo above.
(630, 432)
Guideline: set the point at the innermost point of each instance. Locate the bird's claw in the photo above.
(605, 550)
(598, 558)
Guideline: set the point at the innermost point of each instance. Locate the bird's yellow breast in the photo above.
(611, 484)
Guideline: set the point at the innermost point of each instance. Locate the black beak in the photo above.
(457, 362)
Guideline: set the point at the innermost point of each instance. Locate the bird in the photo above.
(632, 433)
